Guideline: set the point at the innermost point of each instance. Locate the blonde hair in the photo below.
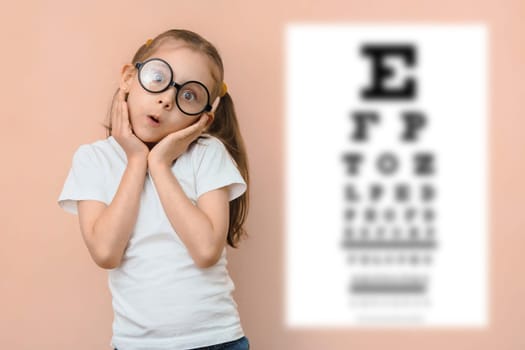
(225, 126)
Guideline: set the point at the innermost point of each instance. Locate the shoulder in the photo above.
(209, 151)
(208, 142)
(95, 146)
(207, 146)
(98, 151)
(214, 167)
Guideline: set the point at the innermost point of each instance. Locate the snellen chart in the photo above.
(386, 175)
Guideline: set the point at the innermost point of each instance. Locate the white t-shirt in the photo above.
(161, 299)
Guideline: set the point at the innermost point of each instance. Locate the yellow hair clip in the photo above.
(224, 89)
(148, 42)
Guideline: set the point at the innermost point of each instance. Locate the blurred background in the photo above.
(60, 65)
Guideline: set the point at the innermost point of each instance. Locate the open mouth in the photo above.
(153, 119)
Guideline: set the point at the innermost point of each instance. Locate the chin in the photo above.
(148, 138)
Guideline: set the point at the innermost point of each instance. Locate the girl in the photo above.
(160, 197)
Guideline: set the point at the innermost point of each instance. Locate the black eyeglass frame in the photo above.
(178, 87)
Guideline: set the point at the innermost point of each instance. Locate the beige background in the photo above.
(60, 64)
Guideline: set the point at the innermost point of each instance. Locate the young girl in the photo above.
(160, 197)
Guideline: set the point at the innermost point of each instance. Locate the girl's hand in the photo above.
(122, 132)
(173, 145)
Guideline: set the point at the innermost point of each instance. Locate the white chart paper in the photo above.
(386, 195)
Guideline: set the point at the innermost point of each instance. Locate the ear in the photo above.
(211, 114)
(126, 77)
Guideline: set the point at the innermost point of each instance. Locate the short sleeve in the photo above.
(85, 180)
(216, 168)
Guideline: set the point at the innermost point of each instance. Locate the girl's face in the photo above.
(187, 64)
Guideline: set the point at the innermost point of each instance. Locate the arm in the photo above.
(202, 228)
(106, 229)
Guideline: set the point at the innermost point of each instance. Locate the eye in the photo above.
(157, 77)
(188, 95)
(153, 76)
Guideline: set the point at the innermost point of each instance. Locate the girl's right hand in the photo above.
(122, 132)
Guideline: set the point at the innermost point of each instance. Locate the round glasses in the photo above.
(156, 76)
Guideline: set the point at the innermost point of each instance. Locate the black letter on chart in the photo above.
(387, 163)
(424, 164)
(352, 161)
(362, 120)
(414, 122)
(381, 72)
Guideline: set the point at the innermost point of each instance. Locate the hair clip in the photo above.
(148, 42)
(224, 89)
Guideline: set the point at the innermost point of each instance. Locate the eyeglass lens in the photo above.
(192, 97)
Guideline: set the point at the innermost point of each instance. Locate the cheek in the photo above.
(182, 122)
(133, 106)
(187, 121)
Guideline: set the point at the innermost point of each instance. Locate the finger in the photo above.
(119, 110)
(117, 117)
(126, 127)
(201, 123)
(204, 123)
(204, 120)
(113, 113)
(201, 127)
(196, 128)
(187, 131)
(122, 93)
(215, 104)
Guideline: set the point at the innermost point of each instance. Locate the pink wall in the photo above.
(60, 64)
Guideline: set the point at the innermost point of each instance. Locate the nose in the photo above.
(167, 98)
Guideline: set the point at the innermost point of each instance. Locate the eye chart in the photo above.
(386, 175)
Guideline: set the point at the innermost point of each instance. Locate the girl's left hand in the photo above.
(173, 145)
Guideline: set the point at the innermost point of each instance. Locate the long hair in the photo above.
(225, 126)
